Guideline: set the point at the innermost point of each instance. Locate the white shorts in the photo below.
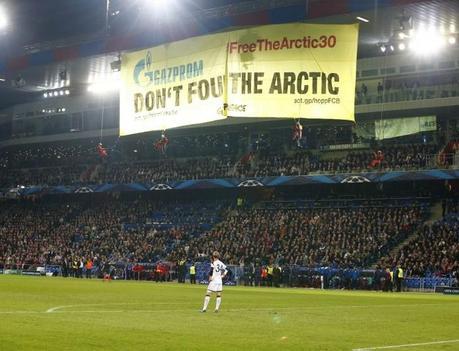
(215, 286)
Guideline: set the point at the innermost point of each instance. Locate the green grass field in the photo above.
(39, 313)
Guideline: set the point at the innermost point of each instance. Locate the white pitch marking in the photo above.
(61, 309)
(407, 345)
(58, 308)
(19, 312)
(54, 309)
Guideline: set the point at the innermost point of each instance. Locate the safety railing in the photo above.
(408, 94)
(428, 284)
(286, 276)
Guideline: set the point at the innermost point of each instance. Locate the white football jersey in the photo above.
(218, 268)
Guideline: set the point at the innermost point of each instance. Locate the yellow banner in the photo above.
(293, 70)
(173, 85)
(283, 71)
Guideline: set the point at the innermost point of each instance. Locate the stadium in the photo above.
(229, 175)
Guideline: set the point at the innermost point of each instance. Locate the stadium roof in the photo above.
(48, 37)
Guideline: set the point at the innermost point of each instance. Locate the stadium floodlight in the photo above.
(45, 95)
(67, 92)
(102, 87)
(427, 42)
(401, 46)
(105, 84)
(391, 47)
(3, 19)
(452, 40)
(156, 2)
(432, 28)
(93, 88)
(162, 10)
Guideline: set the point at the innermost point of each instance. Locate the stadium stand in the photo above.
(296, 236)
(78, 163)
(333, 237)
(434, 252)
(58, 232)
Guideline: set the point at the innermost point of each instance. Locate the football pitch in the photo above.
(38, 313)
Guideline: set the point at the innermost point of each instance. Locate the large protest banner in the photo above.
(293, 70)
(173, 85)
(282, 71)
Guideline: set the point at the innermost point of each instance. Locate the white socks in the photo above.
(206, 302)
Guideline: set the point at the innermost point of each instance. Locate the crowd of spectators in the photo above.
(336, 237)
(84, 151)
(141, 231)
(170, 170)
(65, 175)
(399, 157)
(60, 232)
(70, 233)
(48, 155)
(78, 165)
(434, 252)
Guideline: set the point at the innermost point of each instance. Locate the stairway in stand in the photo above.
(435, 214)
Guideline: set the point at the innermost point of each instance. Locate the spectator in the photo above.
(433, 253)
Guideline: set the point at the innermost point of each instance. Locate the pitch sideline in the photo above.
(407, 345)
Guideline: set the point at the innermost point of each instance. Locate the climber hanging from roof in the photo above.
(102, 151)
(297, 133)
(161, 144)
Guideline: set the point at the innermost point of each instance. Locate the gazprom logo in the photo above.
(142, 71)
(145, 73)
